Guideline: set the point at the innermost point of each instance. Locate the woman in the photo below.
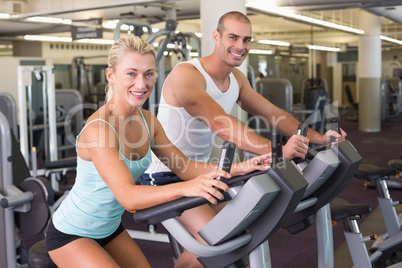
(113, 150)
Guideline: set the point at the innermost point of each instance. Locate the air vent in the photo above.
(15, 7)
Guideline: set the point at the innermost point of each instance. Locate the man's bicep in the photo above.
(249, 100)
(204, 108)
(189, 87)
(254, 103)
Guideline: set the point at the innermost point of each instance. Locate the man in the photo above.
(195, 105)
(198, 96)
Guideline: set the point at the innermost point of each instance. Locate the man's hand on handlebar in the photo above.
(332, 137)
(296, 147)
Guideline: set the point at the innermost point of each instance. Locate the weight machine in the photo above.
(391, 98)
(44, 76)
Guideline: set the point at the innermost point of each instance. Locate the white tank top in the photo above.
(194, 138)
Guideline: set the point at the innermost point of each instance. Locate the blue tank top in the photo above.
(90, 209)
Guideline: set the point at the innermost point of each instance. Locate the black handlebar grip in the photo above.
(334, 125)
(276, 147)
(225, 162)
(302, 130)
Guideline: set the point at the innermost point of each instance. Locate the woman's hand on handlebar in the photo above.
(260, 162)
(207, 186)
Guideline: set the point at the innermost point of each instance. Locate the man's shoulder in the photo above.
(185, 70)
(185, 65)
(238, 73)
(241, 78)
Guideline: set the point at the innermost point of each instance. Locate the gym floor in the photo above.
(292, 251)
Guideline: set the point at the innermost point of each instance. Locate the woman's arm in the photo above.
(100, 144)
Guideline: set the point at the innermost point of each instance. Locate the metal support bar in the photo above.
(325, 245)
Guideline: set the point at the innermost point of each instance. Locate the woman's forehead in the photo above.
(137, 59)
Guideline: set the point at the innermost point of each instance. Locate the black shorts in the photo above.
(56, 239)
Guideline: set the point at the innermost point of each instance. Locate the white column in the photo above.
(369, 73)
(312, 68)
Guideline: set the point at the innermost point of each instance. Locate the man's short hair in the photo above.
(236, 15)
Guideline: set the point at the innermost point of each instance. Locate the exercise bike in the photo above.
(385, 246)
(241, 230)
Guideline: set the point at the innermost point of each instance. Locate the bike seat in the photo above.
(372, 172)
(342, 209)
(396, 163)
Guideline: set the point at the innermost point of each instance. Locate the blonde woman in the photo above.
(113, 150)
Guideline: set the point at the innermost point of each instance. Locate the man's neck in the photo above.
(216, 68)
